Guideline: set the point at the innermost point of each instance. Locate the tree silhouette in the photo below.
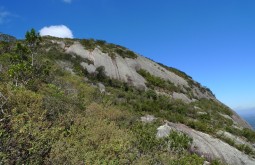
(33, 39)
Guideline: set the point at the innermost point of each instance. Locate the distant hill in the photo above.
(248, 115)
(251, 120)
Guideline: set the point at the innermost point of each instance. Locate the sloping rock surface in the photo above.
(213, 148)
(125, 69)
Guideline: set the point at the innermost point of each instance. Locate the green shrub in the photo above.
(201, 126)
(93, 140)
(188, 160)
(246, 149)
(146, 140)
(249, 134)
(178, 142)
(101, 75)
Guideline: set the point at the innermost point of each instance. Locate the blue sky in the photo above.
(211, 40)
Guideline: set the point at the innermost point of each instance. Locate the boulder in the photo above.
(182, 97)
(101, 87)
(202, 113)
(148, 119)
(163, 131)
(212, 148)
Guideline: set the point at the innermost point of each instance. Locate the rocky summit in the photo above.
(86, 101)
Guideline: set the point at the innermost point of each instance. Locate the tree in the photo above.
(20, 72)
(20, 68)
(33, 39)
(101, 75)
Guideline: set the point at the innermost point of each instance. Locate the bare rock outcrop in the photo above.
(101, 87)
(148, 119)
(163, 131)
(125, 69)
(181, 96)
(213, 148)
(236, 139)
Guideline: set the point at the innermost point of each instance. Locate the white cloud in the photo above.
(60, 31)
(67, 1)
(3, 15)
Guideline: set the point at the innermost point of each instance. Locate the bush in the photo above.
(178, 142)
(249, 134)
(93, 140)
(188, 160)
(101, 75)
(26, 136)
(201, 126)
(146, 140)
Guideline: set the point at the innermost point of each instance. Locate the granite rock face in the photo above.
(211, 147)
(125, 69)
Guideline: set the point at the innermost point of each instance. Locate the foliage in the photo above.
(101, 75)
(102, 141)
(249, 134)
(25, 133)
(188, 160)
(178, 142)
(33, 40)
(146, 140)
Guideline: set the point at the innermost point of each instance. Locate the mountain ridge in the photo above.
(87, 93)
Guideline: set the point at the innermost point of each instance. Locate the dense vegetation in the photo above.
(50, 114)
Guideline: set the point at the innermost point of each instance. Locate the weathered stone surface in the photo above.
(66, 65)
(148, 119)
(90, 68)
(213, 148)
(60, 43)
(163, 131)
(181, 96)
(101, 87)
(125, 69)
(206, 163)
(236, 139)
(226, 116)
(157, 70)
(202, 113)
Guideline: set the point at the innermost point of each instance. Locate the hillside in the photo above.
(86, 101)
